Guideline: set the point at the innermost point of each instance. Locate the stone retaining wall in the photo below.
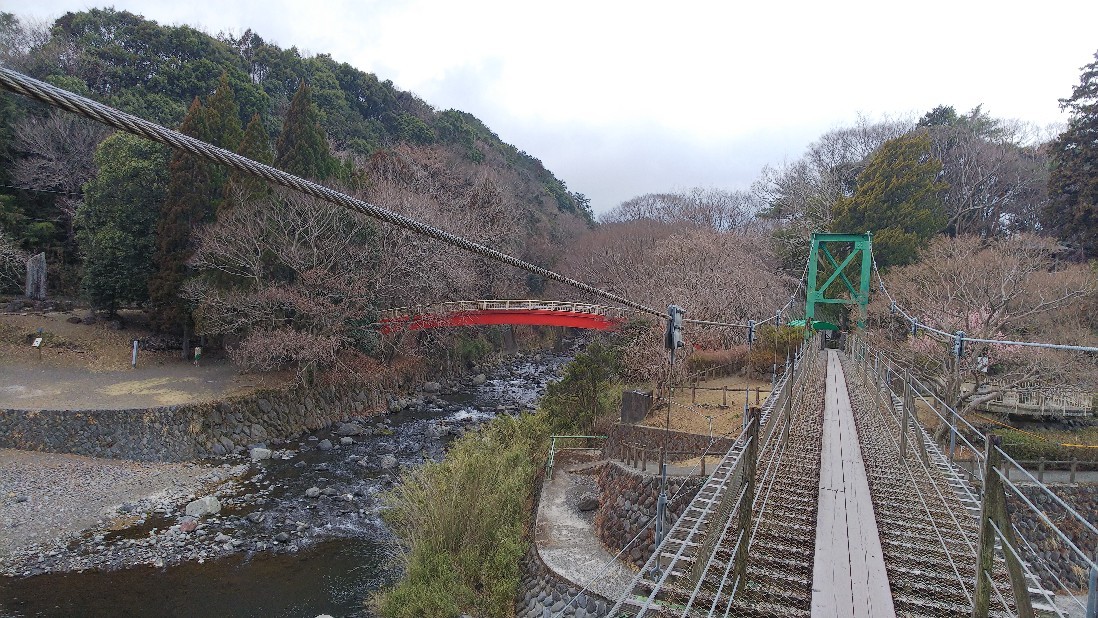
(627, 500)
(184, 432)
(624, 435)
(544, 593)
(1049, 547)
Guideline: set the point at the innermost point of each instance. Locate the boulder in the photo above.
(312, 492)
(587, 502)
(189, 524)
(325, 445)
(431, 387)
(346, 441)
(480, 379)
(387, 462)
(350, 429)
(203, 506)
(260, 453)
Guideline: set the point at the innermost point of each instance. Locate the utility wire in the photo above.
(57, 97)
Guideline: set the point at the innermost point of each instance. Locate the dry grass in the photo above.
(692, 408)
(92, 347)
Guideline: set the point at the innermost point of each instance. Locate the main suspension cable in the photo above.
(57, 97)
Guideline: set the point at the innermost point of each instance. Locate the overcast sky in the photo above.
(624, 98)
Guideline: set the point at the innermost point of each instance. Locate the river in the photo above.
(278, 548)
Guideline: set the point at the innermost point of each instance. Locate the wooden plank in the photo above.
(848, 575)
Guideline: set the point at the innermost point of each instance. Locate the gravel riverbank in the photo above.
(48, 499)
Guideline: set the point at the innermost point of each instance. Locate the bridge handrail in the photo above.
(467, 306)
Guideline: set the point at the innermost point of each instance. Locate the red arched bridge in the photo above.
(481, 312)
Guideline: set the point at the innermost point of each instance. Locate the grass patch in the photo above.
(463, 523)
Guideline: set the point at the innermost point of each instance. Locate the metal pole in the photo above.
(1092, 596)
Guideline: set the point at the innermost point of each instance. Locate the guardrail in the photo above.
(554, 449)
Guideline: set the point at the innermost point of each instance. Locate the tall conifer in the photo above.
(243, 187)
(302, 147)
(189, 187)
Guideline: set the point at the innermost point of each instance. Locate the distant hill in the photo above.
(155, 71)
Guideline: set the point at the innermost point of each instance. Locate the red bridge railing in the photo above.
(481, 312)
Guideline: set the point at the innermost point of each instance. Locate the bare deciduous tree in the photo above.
(13, 262)
(1002, 289)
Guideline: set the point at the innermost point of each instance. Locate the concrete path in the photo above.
(566, 538)
(848, 575)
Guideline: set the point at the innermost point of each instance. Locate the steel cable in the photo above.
(57, 97)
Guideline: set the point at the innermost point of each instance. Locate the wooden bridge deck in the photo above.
(848, 576)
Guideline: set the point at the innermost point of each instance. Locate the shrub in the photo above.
(463, 523)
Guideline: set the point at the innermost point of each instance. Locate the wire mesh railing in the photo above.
(1041, 545)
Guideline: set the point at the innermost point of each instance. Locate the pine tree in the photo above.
(188, 204)
(1072, 211)
(898, 198)
(302, 147)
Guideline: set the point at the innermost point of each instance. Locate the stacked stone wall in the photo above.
(627, 503)
(190, 431)
(622, 436)
(543, 590)
(1052, 553)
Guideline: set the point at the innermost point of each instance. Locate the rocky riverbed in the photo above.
(283, 498)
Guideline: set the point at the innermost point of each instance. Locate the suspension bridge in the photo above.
(843, 496)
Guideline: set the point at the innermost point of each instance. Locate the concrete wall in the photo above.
(183, 432)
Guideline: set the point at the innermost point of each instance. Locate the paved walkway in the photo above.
(566, 538)
(848, 575)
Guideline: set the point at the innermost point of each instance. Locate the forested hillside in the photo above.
(157, 71)
(124, 223)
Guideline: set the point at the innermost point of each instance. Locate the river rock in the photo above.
(587, 502)
(325, 445)
(256, 516)
(480, 379)
(387, 462)
(350, 429)
(203, 506)
(346, 440)
(189, 524)
(431, 387)
(312, 492)
(260, 453)
(282, 537)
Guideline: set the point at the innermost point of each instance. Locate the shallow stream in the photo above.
(277, 548)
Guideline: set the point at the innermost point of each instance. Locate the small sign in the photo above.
(37, 342)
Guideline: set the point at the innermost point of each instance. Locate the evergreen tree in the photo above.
(116, 221)
(243, 187)
(302, 147)
(188, 204)
(1072, 211)
(898, 198)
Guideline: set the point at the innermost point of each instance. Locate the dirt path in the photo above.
(31, 387)
(87, 367)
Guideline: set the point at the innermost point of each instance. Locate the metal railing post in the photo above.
(743, 523)
(985, 550)
(1092, 595)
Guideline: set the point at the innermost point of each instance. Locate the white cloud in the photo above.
(617, 96)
